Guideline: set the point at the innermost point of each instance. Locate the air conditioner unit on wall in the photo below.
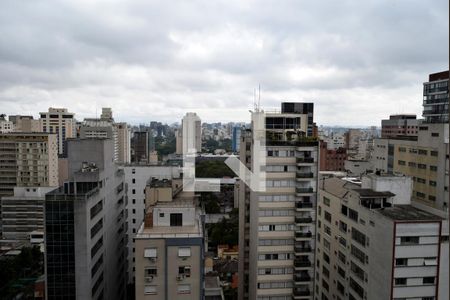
(148, 279)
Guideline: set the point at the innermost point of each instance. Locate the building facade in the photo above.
(332, 159)
(435, 98)
(136, 178)
(399, 125)
(23, 212)
(170, 246)
(85, 226)
(373, 244)
(60, 122)
(277, 227)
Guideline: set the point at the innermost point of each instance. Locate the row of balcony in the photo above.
(303, 205)
(305, 174)
(307, 160)
(301, 292)
(303, 220)
(302, 277)
(300, 190)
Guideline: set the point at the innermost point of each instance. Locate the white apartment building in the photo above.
(136, 178)
(5, 125)
(277, 227)
(372, 243)
(170, 245)
(61, 122)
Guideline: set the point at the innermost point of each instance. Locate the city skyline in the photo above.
(153, 61)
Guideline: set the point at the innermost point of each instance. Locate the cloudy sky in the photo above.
(358, 61)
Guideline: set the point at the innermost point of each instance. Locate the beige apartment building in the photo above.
(61, 122)
(374, 243)
(169, 245)
(425, 158)
(277, 227)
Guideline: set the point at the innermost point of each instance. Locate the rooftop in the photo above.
(369, 193)
(407, 213)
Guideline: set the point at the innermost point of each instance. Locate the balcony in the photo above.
(303, 220)
(304, 190)
(303, 205)
(305, 160)
(305, 175)
(302, 249)
(298, 263)
(302, 277)
(303, 234)
(300, 293)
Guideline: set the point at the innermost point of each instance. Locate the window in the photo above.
(433, 168)
(430, 261)
(326, 201)
(423, 152)
(401, 261)
(435, 134)
(327, 216)
(432, 183)
(342, 257)
(184, 252)
(358, 237)
(341, 272)
(357, 270)
(150, 271)
(408, 240)
(434, 153)
(422, 166)
(358, 254)
(400, 281)
(184, 289)
(150, 290)
(344, 210)
(326, 258)
(421, 180)
(402, 149)
(342, 226)
(133, 180)
(185, 271)
(150, 253)
(353, 214)
(401, 162)
(133, 191)
(412, 164)
(176, 219)
(327, 230)
(428, 280)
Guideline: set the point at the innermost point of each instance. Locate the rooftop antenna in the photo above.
(259, 96)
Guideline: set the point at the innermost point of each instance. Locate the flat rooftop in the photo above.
(369, 193)
(407, 213)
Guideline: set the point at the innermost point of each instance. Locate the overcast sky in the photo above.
(358, 61)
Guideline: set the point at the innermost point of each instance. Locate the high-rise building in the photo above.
(236, 139)
(332, 159)
(61, 122)
(27, 159)
(399, 126)
(170, 245)
(85, 226)
(140, 150)
(124, 143)
(23, 212)
(435, 98)
(277, 227)
(190, 131)
(136, 178)
(373, 244)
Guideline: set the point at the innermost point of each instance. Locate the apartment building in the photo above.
(277, 227)
(435, 98)
(124, 143)
(23, 212)
(399, 125)
(424, 158)
(136, 178)
(60, 122)
(332, 159)
(24, 123)
(27, 159)
(85, 226)
(373, 244)
(170, 245)
(140, 147)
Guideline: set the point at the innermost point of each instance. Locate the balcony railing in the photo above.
(303, 205)
(303, 219)
(302, 277)
(302, 263)
(304, 190)
(303, 234)
(302, 249)
(305, 175)
(298, 292)
(305, 160)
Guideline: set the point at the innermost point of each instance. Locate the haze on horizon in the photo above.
(358, 61)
